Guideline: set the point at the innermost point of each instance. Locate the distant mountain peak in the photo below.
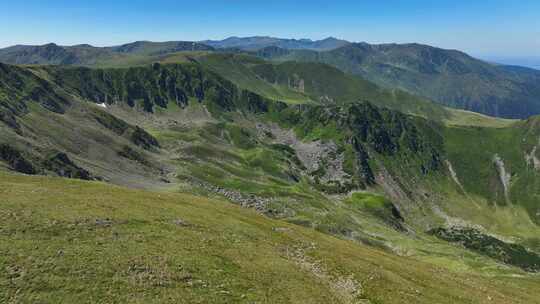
(84, 45)
(331, 38)
(254, 43)
(51, 46)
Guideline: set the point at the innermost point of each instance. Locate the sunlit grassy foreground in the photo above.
(71, 241)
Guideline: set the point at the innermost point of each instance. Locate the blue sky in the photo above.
(484, 28)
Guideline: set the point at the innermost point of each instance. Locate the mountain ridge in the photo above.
(258, 42)
(446, 76)
(450, 77)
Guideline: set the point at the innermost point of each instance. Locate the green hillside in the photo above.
(298, 82)
(112, 244)
(475, 150)
(371, 183)
(449, 77)
(240, 70)
(85, 54)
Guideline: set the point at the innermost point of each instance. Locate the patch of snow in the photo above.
(102, 105)
(504, 176)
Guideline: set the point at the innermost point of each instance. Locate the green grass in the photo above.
(132, 60)
(365, 217)
(323, 83)
(453, 79)
(472, 150)
(368, 200)
(72, 241)
(233, 68)
(225, 150)
(466, 118)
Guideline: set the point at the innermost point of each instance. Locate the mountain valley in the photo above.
(334, 172)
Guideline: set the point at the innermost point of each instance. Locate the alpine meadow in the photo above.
(255, 169)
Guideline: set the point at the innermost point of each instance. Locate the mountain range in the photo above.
(257, 43)
(208, 171)
(448, 77)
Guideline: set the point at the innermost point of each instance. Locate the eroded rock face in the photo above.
(504, 176)
(532, 158)
(453, 174)
(320, 158)
(391, 187)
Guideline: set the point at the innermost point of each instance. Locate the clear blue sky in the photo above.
(480, 27)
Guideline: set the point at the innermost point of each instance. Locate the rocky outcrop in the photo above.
(143, 139)
(19, 86)
(321, 160)
(508, 253)
(65, 167)
(16, 160)
(245, 200)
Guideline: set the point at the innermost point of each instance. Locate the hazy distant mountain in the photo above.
(42, 54)
(149, 47)
(259, 42)
(449, 77)
(85, 54)
(530, 62)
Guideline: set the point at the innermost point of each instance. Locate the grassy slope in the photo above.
(467, 118)
(97, 87)
(218, 154)
(131, 60)
(236, 68)
(223, 156)
(449, 77)
(472, 150)
(323, 82)
(110, 244)
(44, 118)
(97, 151)
(270, 80)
